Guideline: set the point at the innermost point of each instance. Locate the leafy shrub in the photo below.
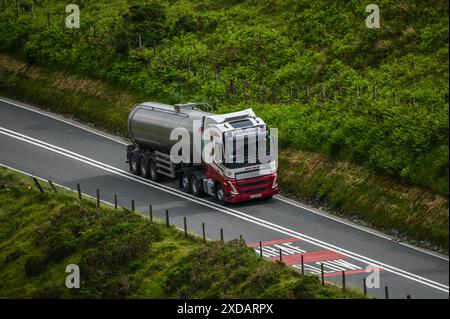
(61, 244)
(35, 265)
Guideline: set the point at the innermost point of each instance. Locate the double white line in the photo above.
(228, 211)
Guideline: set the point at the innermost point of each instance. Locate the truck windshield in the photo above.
(240, 154)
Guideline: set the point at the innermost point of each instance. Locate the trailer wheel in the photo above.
(195, 186)
(154, 176)
(143, 167)
(185, 183)
(220, 194)
(134, 164)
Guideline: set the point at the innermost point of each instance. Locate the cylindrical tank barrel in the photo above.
(150, 125)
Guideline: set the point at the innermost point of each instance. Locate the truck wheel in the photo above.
(186, 183)
(134, 164)
(154, 176)
(143, 167)
(220, 194)
(195, 186)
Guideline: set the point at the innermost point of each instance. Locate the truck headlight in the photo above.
(273, 166)
(233, 189)
(275, 181)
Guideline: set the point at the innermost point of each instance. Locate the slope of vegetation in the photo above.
(385, 202)
(123, 255)
(377, 97)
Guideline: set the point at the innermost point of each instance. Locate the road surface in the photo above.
(52, 147)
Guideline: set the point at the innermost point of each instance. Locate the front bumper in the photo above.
(248, 196)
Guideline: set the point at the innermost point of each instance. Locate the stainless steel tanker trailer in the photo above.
(232, 173)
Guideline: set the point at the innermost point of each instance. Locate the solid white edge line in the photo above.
(59, 118)
(332, 218)
(232, 212)
(364, 229)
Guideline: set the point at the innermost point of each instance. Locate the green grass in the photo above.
(123, 255)
(384, 201)
(272, 46)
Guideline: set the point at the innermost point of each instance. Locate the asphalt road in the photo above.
(67, 152)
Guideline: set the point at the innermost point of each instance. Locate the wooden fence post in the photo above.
(38, 185)
(98, 199)
(322, 274)
(53, 186)
(343, 280)
(273, 98)
(79, 194)
(291, 95)
(245, 91)
(204, 72)
(167, 218)
(231, 87)
(364, 287)
(303, 264)
(260, 250)
(204, 232)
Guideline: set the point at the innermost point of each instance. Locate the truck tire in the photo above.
(196, 188)
(185, 183)
(220, 194)
(134, 166)
(154, 176)
(143, 167)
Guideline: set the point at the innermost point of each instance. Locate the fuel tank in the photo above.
(150, 124)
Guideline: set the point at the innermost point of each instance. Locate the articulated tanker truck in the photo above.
(241, 165)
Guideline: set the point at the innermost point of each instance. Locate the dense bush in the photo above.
(268, 52)
(35, 265)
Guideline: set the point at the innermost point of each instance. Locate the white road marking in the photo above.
(32, 109)
(365, 229)
(228, 211)
(58, 118)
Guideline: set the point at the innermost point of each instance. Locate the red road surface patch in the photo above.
(311, 257)
(293, 249)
